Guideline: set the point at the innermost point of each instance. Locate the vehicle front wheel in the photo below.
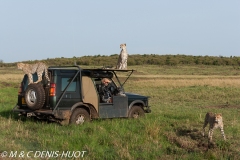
(79, 116)
(136, 112)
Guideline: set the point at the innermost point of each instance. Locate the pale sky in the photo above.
(41, 29)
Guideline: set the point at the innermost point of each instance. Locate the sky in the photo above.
(41, 29)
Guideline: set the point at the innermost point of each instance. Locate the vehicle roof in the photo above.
(106, 69)
(89, 69)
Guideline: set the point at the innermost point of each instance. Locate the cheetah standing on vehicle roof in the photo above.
(215, 121)
(122, 59)
(30, 69)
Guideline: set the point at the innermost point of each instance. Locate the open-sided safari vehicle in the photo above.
(75, 95)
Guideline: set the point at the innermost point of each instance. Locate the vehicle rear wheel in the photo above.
(35, 96)
(136, 112)
(79, 116)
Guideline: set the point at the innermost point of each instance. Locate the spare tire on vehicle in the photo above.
(35, 96)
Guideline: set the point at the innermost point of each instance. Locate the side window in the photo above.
(71, 88)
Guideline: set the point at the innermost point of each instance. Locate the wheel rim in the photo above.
(135, 114)
(31, 96)
(80, 119)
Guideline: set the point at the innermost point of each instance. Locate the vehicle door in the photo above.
(118, 108)
(89, 92)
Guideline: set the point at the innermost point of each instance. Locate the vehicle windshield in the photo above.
(119, 77)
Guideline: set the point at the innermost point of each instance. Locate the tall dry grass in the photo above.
(189, 81)
(11, 78)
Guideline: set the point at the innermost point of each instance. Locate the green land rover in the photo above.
(75, 95)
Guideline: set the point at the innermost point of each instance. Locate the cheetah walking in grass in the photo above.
(215, 121)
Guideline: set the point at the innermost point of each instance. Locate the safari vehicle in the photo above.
(73, 96)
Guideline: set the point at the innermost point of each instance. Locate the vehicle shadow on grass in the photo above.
(9, 114)
(16, 117)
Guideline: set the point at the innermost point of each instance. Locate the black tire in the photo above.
(35, 96)
(136, 112)
(79, 116)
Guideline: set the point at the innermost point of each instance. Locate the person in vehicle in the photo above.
(106, 81)
(107, 90)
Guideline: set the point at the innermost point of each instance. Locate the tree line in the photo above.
(137, 59)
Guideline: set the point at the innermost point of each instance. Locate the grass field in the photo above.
(180, 98)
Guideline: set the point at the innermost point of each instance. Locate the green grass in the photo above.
(171, 131)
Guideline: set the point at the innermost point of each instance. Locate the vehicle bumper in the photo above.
(59, 114)
(148, 110)
(17, 108)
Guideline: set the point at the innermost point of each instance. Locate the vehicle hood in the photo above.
(135, 96)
